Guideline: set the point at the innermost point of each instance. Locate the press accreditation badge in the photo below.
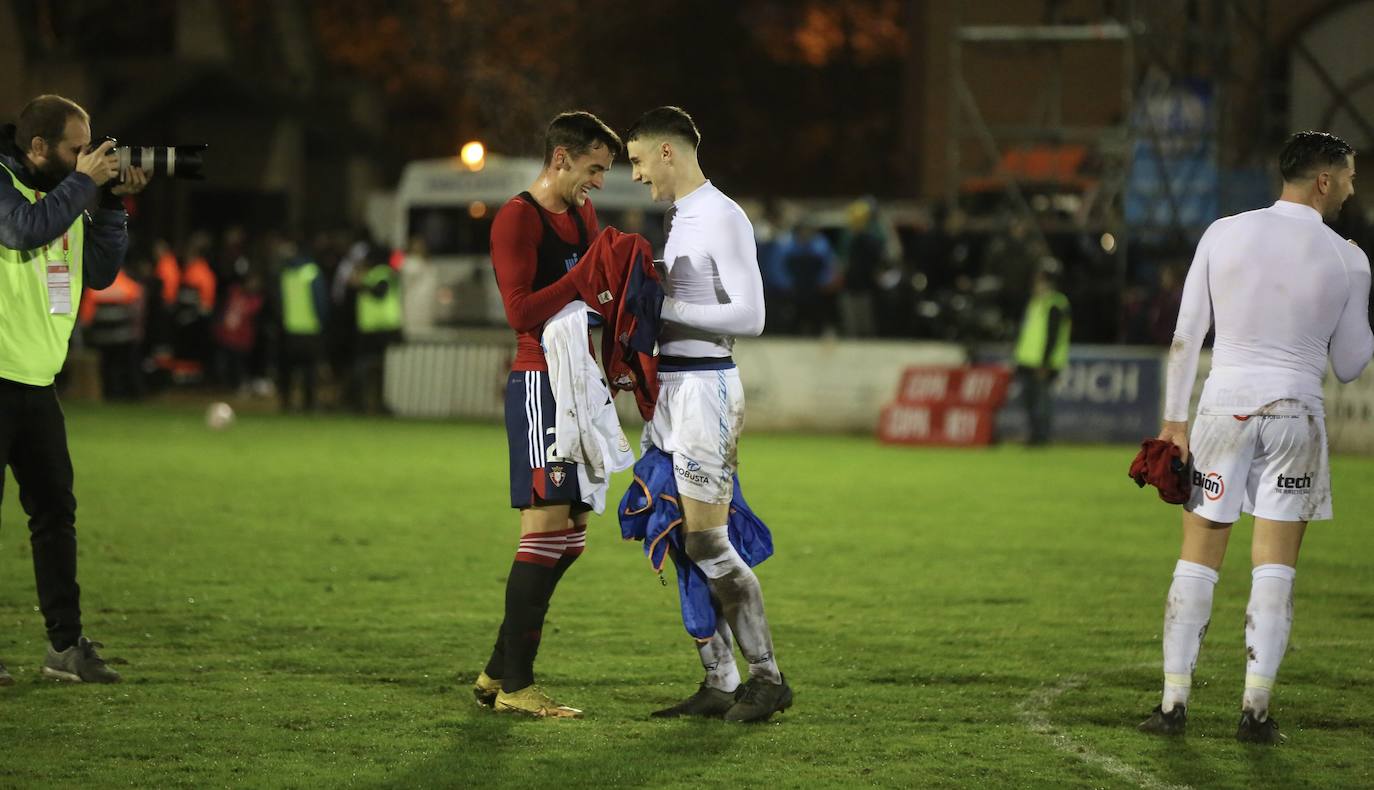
(59, 288)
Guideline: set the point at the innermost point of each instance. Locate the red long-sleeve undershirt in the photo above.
(515, 236)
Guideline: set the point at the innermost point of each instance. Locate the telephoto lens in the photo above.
(177, 161)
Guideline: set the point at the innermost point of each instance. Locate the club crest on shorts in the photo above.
(557, 475)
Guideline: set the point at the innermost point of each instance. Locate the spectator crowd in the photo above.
(308, 323)
(227, 313)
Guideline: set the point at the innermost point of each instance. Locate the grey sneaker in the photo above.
(708, 702)
(759, 700)
(6, 679)
(79, 664)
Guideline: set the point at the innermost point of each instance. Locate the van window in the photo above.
(648, 224)
(451, 230)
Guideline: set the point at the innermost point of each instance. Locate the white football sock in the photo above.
(1186, 614)
(734, 584)
(1268, 619)
(718, 656)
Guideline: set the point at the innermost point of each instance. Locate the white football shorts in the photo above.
(698, 420)
(1273, 466)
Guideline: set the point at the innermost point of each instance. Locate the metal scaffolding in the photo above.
(1101, 211)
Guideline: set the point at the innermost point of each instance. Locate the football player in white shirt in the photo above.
(714, 292)
(1284, 293)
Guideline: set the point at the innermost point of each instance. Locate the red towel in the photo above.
(1160, 464)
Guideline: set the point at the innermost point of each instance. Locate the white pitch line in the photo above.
(1032, 712)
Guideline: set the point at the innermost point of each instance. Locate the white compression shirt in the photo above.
(713, 288)
(1285, 291)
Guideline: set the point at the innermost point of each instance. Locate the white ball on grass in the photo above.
(219, 416)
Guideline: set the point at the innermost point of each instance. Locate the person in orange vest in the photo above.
(112, 323)
(168, 271)
(195, 303)
(161, 279)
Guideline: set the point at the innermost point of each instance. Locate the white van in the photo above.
(449, 208)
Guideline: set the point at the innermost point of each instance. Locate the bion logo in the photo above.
(1212, 485)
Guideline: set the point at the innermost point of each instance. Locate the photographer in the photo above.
(62, 227)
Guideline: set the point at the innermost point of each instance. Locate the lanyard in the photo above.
(58, 274)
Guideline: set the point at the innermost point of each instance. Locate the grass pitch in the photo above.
(303, 602)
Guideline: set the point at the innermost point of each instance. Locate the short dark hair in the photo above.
(46, 116)
(579, 132)
(1307, 152)
(666, 122)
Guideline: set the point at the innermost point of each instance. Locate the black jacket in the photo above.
(27, 226)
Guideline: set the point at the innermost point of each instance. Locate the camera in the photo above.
(177, 161)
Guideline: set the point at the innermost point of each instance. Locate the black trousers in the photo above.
(300, 356)
(1037, 395)
(33, 443)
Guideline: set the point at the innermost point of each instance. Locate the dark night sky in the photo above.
(798, 97)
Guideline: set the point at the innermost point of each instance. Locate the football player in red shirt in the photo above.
(536, 239)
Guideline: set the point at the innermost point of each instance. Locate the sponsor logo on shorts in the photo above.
(1241, 417)
(557, 475)
(692, 473)
(1211, 484)
(1293, 485)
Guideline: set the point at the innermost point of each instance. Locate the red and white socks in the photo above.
(540, 562)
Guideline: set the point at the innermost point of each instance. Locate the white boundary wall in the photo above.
(790, 384)
(836, 385)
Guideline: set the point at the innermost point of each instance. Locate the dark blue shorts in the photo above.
(534, 480)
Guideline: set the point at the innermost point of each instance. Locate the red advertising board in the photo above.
(945, 406)
(935, 424)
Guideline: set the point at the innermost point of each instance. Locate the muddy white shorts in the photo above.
(1271, 465)
(698, 420)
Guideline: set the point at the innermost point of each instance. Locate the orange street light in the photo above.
(474, 155)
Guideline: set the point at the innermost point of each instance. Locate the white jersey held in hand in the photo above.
(586, 429)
